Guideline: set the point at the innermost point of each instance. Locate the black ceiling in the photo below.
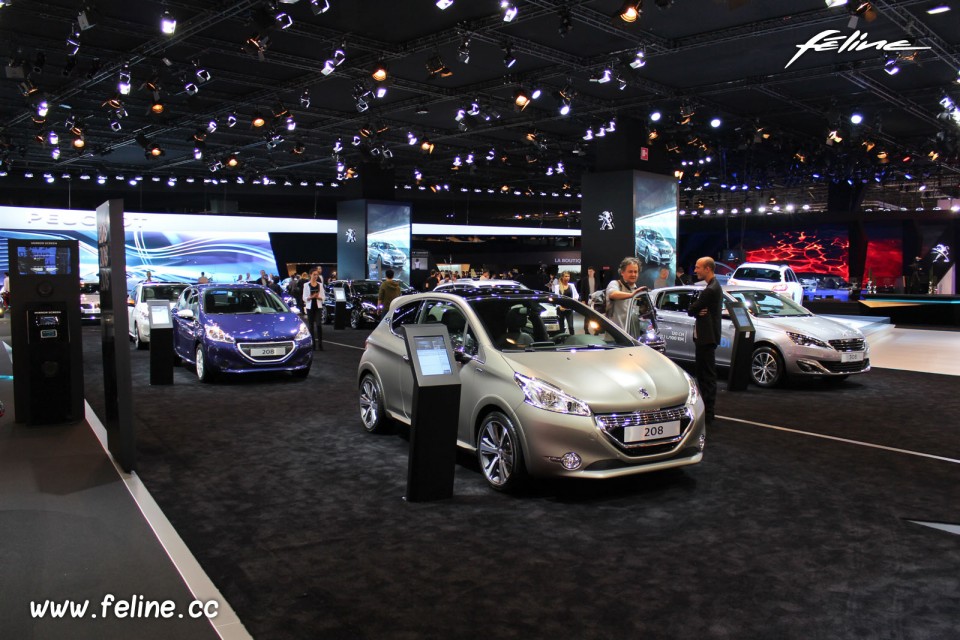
(704, 58)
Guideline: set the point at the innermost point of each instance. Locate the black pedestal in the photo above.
(740, 360)
(340, 315)
(433, 443)
(161, 356)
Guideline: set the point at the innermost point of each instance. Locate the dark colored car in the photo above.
(239, 328)
(361, 300)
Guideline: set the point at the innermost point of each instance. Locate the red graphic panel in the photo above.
(819, 251)
(884, 258)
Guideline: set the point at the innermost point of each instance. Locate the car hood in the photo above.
(257, 326)
(608, 380)
(814, 326)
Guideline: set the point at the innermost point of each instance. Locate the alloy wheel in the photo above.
(497, 452)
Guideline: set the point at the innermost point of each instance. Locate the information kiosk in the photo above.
(161, 341)
(742, 350)
(339, 308)
(45, 327)
(434, 414)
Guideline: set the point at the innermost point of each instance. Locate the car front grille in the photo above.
(613, 424)
(846, 367)
(252, 351)
(855, 344)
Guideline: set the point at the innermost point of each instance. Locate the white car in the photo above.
(478, 283)
(90, 301)
(137, 306)
(776, 277)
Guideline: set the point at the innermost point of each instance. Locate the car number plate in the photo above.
(651, 431)
(852, 356)
(264, 351)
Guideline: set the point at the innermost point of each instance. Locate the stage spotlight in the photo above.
(123, 85)
(380, 72)
(258, 120)
(444, 4)
(319, 6)
(463, 52)
(856, 117)
(520, 99)
(509, 10)
(436, 68)
(630, 10)
(168, 24)
(508, 58)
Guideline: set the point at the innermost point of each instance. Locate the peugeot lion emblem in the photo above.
(644, 393)
(606, 220)
(351, 235)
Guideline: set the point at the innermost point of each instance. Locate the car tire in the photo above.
(205, 371)
(356, 320)
(766, 367)
(372, 413)
(138, 339)
(499, 453)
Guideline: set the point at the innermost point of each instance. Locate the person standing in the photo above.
(588, 285)
(706, 310)
(663, 279)
(6, 290)
(622, 291)
(389, 289)
(564, 287)
(682, 277)
(203, 279)
(313, 297)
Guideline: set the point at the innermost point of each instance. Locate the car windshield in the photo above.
(525, 324)
(758, 274)
(252, 300)
(366, 288)
(168, 292)
(767, 304)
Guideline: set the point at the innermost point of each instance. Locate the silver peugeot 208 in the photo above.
(536, 400)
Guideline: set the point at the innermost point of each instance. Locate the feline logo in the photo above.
(606, 220)
(856, 41)
(351, 235)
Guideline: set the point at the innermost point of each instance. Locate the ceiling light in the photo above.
(508, 58)
(566, 22)
(53, 138)
(444, 4)
(87, 18)
(891, 65)
(200, 72)
(198, 151)
(231, 120)
(298, 148)
(520, 99)
(639, 61)
(856, 117)
(55, 153)
(380, 72)
(283, 19)
(168, 24)
(319, 6)
(630, 10)
(716, 122)
(291, 123)
(79, 142)
(426, 146)
(941, 8)
(655, 116)
(123, 85)
(154, 151)
(305, 99)
(73, 40)
(43, 107)
(191, 87)
(232, 161)
(257, 45)
(463, 52)
(436, 68)
(605, 76)
(509, 10)
(258, 120)
(835, 3)
(338, 58)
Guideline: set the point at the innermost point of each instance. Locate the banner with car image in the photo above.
(655, 228)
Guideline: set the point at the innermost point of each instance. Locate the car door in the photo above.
(187, 332)
(396, 374)
(676, 326)
(132, 308)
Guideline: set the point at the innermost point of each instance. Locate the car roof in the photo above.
(478, 282)
(764, 265)
(162, 284)
(228, 285)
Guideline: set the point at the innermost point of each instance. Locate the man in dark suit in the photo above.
(706, 333)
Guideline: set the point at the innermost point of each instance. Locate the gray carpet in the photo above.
(295, 513)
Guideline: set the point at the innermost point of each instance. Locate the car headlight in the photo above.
(546, 396)
(217, 334)
(370, 306)
(302, 333)
(694, 393)
(807, 341)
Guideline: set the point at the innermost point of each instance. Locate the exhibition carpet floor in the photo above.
(296, 515)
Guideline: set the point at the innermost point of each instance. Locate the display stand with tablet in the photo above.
(742, 352)
(340, 307)
(162, 357)
(434, 414)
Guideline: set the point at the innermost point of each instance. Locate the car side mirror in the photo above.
(461, 356)
(131, 302)
(186, 314)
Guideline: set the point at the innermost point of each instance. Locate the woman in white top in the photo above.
(563, 287)
(313, 298)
